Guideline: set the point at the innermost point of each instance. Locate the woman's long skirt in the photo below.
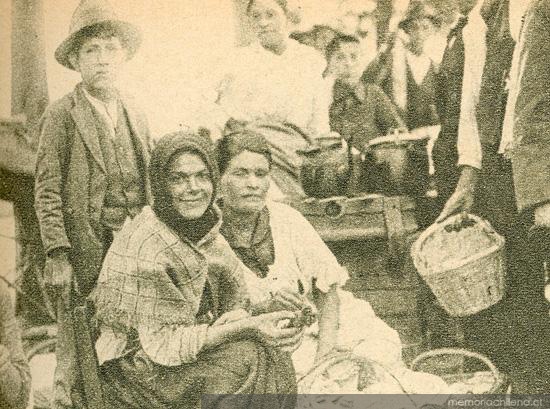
(233, 375)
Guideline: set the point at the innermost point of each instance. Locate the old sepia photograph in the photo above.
(274, 204)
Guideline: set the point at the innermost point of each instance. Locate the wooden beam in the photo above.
(29, 98)
(29, 85)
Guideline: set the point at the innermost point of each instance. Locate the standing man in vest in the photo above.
(477, 118)
(526, 142)
(482, 184)
(91, 174)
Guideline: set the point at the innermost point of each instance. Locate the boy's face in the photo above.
(419, 31)
(345, 63)
(99, 61)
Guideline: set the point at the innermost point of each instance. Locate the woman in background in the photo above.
(276, 83)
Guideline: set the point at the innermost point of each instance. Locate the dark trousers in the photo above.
(66, 377)
(514, 332)
(226, 373)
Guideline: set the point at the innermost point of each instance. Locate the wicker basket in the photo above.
(363, 369)
(462, 285)
(438, 356)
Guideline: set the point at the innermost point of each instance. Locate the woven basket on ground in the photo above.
(340, 368)
(463, 267)
(436, 361)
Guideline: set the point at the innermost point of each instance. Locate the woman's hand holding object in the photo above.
(232, 316)
(273, 330)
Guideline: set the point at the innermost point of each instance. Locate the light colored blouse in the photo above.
(300, 255)
(260, 84)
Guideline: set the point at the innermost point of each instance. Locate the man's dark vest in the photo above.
(493, 95)
(421, 100)
(125, 194)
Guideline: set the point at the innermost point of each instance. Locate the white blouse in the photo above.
(260, 84)
(300, 254)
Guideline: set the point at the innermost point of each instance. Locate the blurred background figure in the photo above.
(360, 111)
(359, 18)
(275, 84)
(15, 379)
(406, 71)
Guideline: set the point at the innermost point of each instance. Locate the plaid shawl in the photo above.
(150, 276)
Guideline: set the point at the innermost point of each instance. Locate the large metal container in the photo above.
(325, 170)
(398, 164)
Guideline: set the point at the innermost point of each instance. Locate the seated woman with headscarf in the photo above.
(168, 296)
(289, 258)
(290, 262)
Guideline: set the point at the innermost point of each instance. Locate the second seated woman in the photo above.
(288, 257)
(276, 83)
(290, 261)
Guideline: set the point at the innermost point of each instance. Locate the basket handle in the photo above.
(456, 351)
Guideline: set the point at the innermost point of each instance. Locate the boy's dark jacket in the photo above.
(71, 182)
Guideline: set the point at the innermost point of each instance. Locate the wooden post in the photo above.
(29, 95)
(29, 100)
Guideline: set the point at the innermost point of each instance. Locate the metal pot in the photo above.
(397, 164)
(325, 170)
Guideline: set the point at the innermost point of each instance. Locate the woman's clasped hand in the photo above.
(273, 329)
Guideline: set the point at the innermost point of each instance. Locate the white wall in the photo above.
(185, 44)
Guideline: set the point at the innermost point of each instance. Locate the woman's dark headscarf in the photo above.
(166, 150)
(233, 144)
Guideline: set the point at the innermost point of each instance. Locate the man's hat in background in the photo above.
(419, 10)
(92, 16)
(319, 36)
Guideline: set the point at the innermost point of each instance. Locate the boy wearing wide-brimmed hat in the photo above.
(91, 169)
